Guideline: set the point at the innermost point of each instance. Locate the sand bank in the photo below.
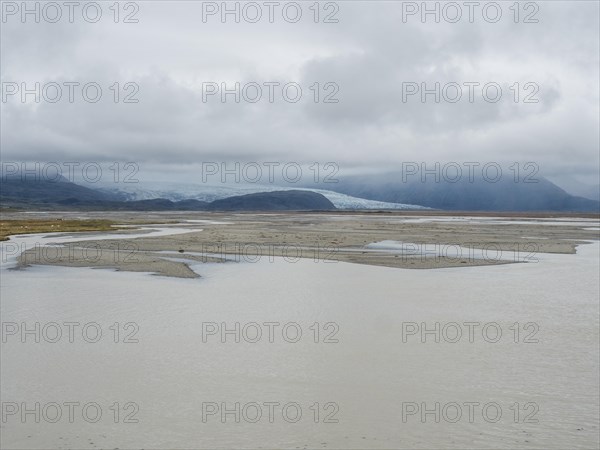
(428, 241)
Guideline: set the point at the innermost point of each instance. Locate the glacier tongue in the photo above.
(208, 193)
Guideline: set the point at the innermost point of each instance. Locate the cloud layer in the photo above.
(368, 57)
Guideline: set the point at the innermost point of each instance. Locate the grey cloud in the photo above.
(368, 54)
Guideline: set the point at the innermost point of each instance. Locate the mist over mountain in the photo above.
(383, 191)
(476, 194)
(575, 187)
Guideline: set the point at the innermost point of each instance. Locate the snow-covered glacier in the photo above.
(208, 193)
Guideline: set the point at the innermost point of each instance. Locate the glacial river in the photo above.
(303, 355)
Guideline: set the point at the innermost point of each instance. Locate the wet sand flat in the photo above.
(409, 241)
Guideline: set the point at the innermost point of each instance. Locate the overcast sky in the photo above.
(368, 54)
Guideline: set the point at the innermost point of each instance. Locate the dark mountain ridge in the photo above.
(293, 200)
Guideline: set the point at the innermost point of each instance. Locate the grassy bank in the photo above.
(8, 227)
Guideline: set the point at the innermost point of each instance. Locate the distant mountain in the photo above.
(356, 192)
(61, 194)
(59, 191)
(294, 200)
(466, 195)
(208, 193)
